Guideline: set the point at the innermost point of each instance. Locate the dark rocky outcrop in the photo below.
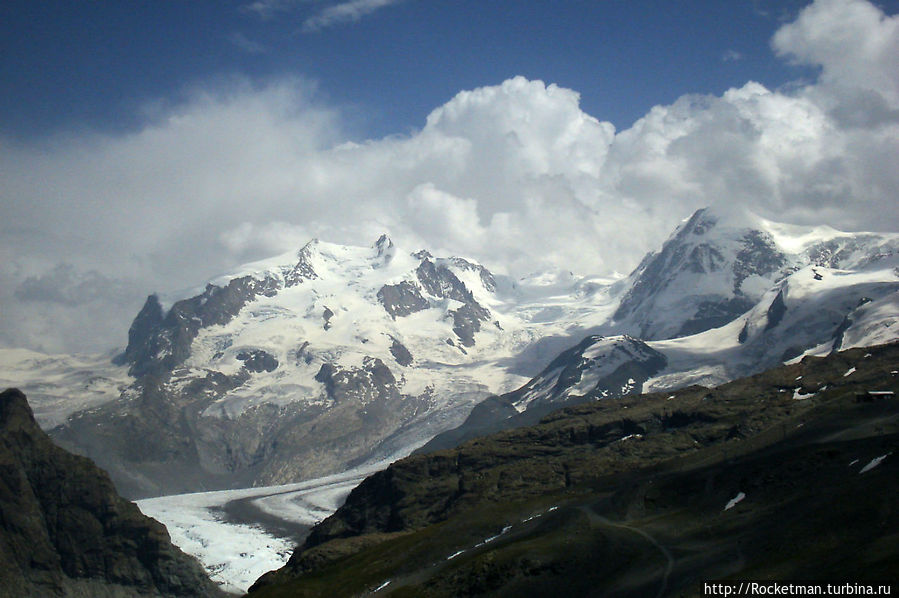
(158, 343)
(257, 360)
(400, 352)
(371, 382)
(65, 530)
(402, 299)
(303, 269)
(757, 255)
(467, 321)
(776, 311)
(436, 279)
(327, 314)
(712, 314)
(385, 247)
(439, 281)
(156, 346)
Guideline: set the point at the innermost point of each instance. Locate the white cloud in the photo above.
(514, 175)
(853, 42)
(266, 9)
(345, 12)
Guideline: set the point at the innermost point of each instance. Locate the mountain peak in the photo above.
(699, 223)
(385, 247)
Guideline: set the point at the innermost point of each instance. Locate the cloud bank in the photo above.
(515, 175)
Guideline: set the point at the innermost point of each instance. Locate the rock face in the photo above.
(65, 531)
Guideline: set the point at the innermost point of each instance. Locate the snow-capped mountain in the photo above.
(716, 267)
(756, 296)
(312, 362)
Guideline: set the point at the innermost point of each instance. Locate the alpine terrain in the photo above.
(786, 475)
(311, 363)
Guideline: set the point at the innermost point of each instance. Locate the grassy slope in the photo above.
(638, 517)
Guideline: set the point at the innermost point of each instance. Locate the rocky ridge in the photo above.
(65, 530)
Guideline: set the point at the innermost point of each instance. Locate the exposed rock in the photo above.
(303, 269)
(776, 311)
(400, 352)
(486, 276)
(712, 314)
(327, 314)
(65, 530)
(758, 256)
(258, 361)
(467, 321)
(596, 368)
(695, 252)
(157, 346)
(143, 329)
(439, 281)
(371, 382)
(385, 248)
(402, 299)
(856, 251)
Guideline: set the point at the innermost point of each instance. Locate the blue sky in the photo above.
(152, 146)
(98, 64)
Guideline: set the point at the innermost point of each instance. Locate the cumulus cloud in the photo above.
(515, 175)
(853, 42)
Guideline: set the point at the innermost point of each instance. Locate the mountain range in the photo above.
(312, 362)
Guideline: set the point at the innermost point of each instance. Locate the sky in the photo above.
(151, 146)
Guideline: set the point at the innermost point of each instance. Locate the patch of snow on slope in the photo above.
(798, 395)
(874, 463)
(734, 501)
